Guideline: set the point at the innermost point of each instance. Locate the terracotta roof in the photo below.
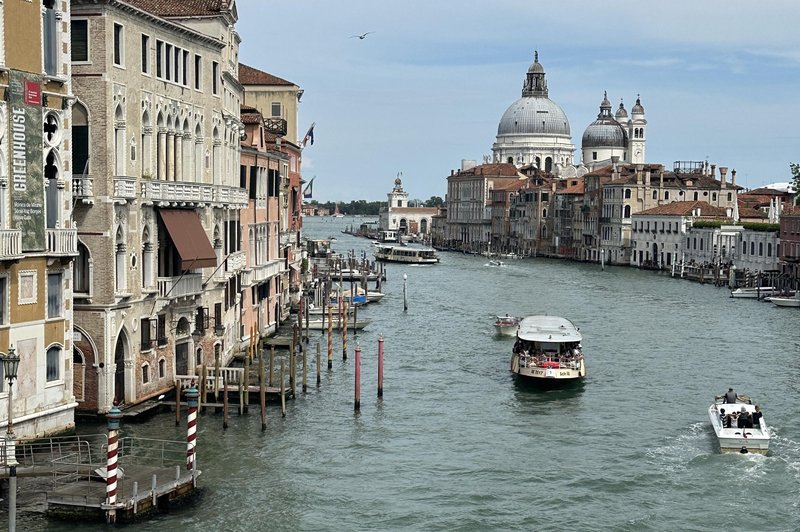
(511, 185)
(182, 8)
(253, 76)
(491, 169)
(251, 118)
(684, 208)
(574, 189)
(749, 212)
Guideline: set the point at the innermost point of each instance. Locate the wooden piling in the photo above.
(358, 379)
(177, 402)
(246, 384)
(343, 324)
(271, 363)
(305, 372)
(262, 390)
(224, 403)
(241, 383)
(319, 376)
(283, 395)
(216, 377)
(330, 337)
(380, 366)
(292, 382)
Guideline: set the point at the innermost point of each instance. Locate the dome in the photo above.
(637, 109)
(605, 132)
(534, 115)
(621, 113)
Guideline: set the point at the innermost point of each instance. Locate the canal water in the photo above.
(454, 444)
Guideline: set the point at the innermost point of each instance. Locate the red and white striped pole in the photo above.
(113, 418)
(191, 435)
(380, 366)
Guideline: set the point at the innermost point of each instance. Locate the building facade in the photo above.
(400, 217)
(158, 276)
(37, 236)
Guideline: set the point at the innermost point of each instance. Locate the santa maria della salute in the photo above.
(535, 131)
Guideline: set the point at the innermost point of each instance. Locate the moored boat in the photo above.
(506, 325)
(756, 292)
(735, 439)
(780, 301)
(336, 323)
(548, 351)
(406, 254)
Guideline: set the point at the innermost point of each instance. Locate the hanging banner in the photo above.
(25, 154)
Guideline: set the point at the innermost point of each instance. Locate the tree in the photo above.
(795, 180)
(434, 201)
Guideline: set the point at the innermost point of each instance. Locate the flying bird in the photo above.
(362, 36)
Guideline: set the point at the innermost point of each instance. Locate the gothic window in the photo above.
(145, 142)
(80, 143)
(147, 259)
(51, 189)
(120, 266)
(53, 363)
(119, 142)
(145, 373)
(81, 271)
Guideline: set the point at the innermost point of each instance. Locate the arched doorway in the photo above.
(655, 254)
(84, 371)
(120, 356)
(423, 226)
(403, 227)
(78, 375)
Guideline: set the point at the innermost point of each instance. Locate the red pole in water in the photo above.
(380, 366)
(358, 378)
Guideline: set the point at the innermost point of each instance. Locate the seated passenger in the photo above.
(722, 415)
(757, 415)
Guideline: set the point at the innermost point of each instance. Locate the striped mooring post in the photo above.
(191, 434)
(113, 418)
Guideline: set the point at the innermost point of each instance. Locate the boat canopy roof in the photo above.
(548, 329)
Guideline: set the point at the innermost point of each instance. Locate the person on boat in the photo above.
(757, 415)
(745, 421)
(722, 415)
(729, 397)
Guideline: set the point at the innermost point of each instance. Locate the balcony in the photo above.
(188, 285)
(10, 244)
(177, 192)
(124, 189)
(62, 242)
(276, 126)
(262, 272)
(235, 261)
(83, 188)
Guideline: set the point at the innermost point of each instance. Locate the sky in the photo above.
(719, 81)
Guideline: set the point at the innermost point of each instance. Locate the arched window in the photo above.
(544, 214)
(760, 249)
(666, 194)
(80, 145)
(627, 193)
(119, 142)
(627, 212)
(53, 364)
(752, 248)
(198, 154)
(216, 157)
(81, 271)
(162, 368)
(695, 196)
(548, 164)
(147, 259)
(769, 249)
(120, 269)
(52, 193)
(145, 373)
(655, 194)
(146, 145)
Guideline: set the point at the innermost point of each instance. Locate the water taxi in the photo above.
(751, 437)
(756, 292)
(548, 351)
(407, 255)
(506, 325)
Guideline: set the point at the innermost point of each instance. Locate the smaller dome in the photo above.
(621, 112)
(536, 67)
(604, 133)
(637, 109)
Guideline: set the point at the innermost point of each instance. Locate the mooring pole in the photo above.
(358, 379)
(380, 366)
(405, 293)
(113, 419)
(191, 427)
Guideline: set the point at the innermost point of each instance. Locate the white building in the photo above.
(617, 135)
(401, 218)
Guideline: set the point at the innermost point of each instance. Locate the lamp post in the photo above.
(10, 367)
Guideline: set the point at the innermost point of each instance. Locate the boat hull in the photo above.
(547, 376)
(506, 330)
(785, 302)
(732, 440)
(322, 325)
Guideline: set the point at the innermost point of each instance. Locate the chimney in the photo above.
(713, 171)
(723, 173)
(733, 178)
(639, 168)
(661, 179)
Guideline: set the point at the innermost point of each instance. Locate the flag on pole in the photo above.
(308, 190)
(309, 135)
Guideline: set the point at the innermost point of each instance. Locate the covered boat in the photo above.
(548, 351)
(745, 437)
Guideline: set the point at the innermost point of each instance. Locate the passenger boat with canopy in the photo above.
(548, 351)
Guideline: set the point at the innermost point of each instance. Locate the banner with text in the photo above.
(25, 139)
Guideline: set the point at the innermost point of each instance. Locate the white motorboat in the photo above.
(756, 292)
(734, 439)
(372, 296)
(780, 301)
(548, 351)
(406, 254)
(506, 325)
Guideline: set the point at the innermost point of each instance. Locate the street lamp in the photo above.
(10, 367)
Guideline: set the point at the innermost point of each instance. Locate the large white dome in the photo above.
(534, 115)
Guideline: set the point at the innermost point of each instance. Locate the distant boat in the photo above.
(336, 213)
(408, 255)
(506, 325)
